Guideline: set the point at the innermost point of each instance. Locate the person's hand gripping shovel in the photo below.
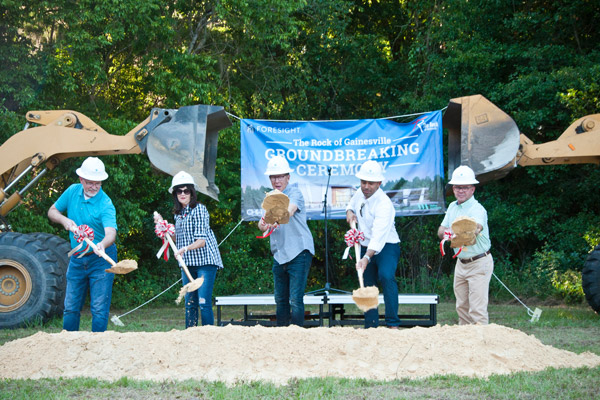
(366, 298)
(83, 233)
(194, 283)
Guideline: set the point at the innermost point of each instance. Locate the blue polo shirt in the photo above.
(97, 212)
(470, 208)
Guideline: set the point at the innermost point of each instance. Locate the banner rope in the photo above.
(332, 120)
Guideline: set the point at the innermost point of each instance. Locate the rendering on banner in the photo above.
(325, 156)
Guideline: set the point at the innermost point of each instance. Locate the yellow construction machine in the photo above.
(33, 266)
(486, 139)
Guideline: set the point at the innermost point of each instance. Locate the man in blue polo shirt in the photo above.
(86, 204)
(475, 263)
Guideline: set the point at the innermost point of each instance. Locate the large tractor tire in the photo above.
(31, 278)
(590, 279)
(60, 247)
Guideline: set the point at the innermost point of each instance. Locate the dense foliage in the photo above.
(315, 59)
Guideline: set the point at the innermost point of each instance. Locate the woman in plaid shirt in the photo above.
(198, 247)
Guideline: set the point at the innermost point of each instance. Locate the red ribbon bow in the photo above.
(448, 235)
(353, 236)
(81, 233)
(162, 229)
(268, 231)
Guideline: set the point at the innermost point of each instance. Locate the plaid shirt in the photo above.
(193, 224)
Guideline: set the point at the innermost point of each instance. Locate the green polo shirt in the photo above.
(470, 208)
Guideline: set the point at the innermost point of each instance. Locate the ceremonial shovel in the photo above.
(194, 283)
(122, 267)
(366, 298)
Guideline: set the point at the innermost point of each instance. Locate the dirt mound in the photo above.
(235, 354)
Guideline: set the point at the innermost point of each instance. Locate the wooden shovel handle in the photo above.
(179, 258)
(357, 255)
(175, 251)
(101, 252)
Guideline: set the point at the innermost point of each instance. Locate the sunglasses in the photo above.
(182, 191)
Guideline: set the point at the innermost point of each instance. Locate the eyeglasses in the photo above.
(278, 177)
(183, 191)
(92, 183)
(361, 207)
(461, 188)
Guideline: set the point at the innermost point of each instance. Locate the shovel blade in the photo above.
(123, 267)
(366, 298)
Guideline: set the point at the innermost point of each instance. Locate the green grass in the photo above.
(573, 328)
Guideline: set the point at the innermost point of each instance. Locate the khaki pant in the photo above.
(471, 288)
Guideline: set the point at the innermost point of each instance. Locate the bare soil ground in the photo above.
(235, 354)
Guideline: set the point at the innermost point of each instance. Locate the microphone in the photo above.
(328, 170)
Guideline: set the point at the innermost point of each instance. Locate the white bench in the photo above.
(336, 312)
(338, 316)
(265, 300)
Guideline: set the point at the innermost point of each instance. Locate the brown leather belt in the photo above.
(477, 257)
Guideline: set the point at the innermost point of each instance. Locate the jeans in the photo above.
(290, 282)
(200, 298)
(382, 269)
(83, 273)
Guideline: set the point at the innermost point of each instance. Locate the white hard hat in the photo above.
(278, 165)
(182, 178)
(92, 169)
(370, 171)
(463, 175)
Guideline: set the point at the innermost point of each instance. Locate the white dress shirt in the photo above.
(375, 219)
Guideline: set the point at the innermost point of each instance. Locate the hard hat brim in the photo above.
(99, 177)
(183, 184)
(369, 178)
(463, 182)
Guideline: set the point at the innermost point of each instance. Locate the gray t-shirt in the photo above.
(291, 239)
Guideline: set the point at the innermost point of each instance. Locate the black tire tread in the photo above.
(49, 292)
(590, 279)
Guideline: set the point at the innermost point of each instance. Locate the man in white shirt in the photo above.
(374, 212)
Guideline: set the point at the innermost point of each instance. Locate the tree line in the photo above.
(314, 60)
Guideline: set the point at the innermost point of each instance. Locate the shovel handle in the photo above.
(101, 252)
(357, 255)
(175, 250)
(179, 258)
(360, 278)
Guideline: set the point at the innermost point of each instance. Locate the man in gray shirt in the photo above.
(292, 247)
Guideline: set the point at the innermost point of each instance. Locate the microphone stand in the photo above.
(327, 287)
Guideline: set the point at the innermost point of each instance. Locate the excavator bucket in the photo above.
(186, 140)
(481, 136)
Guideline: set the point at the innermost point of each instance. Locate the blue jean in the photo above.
(290, 282)
(83, 273)
(382, 269)
(201, 298)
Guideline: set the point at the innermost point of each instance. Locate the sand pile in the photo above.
(235, 354)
